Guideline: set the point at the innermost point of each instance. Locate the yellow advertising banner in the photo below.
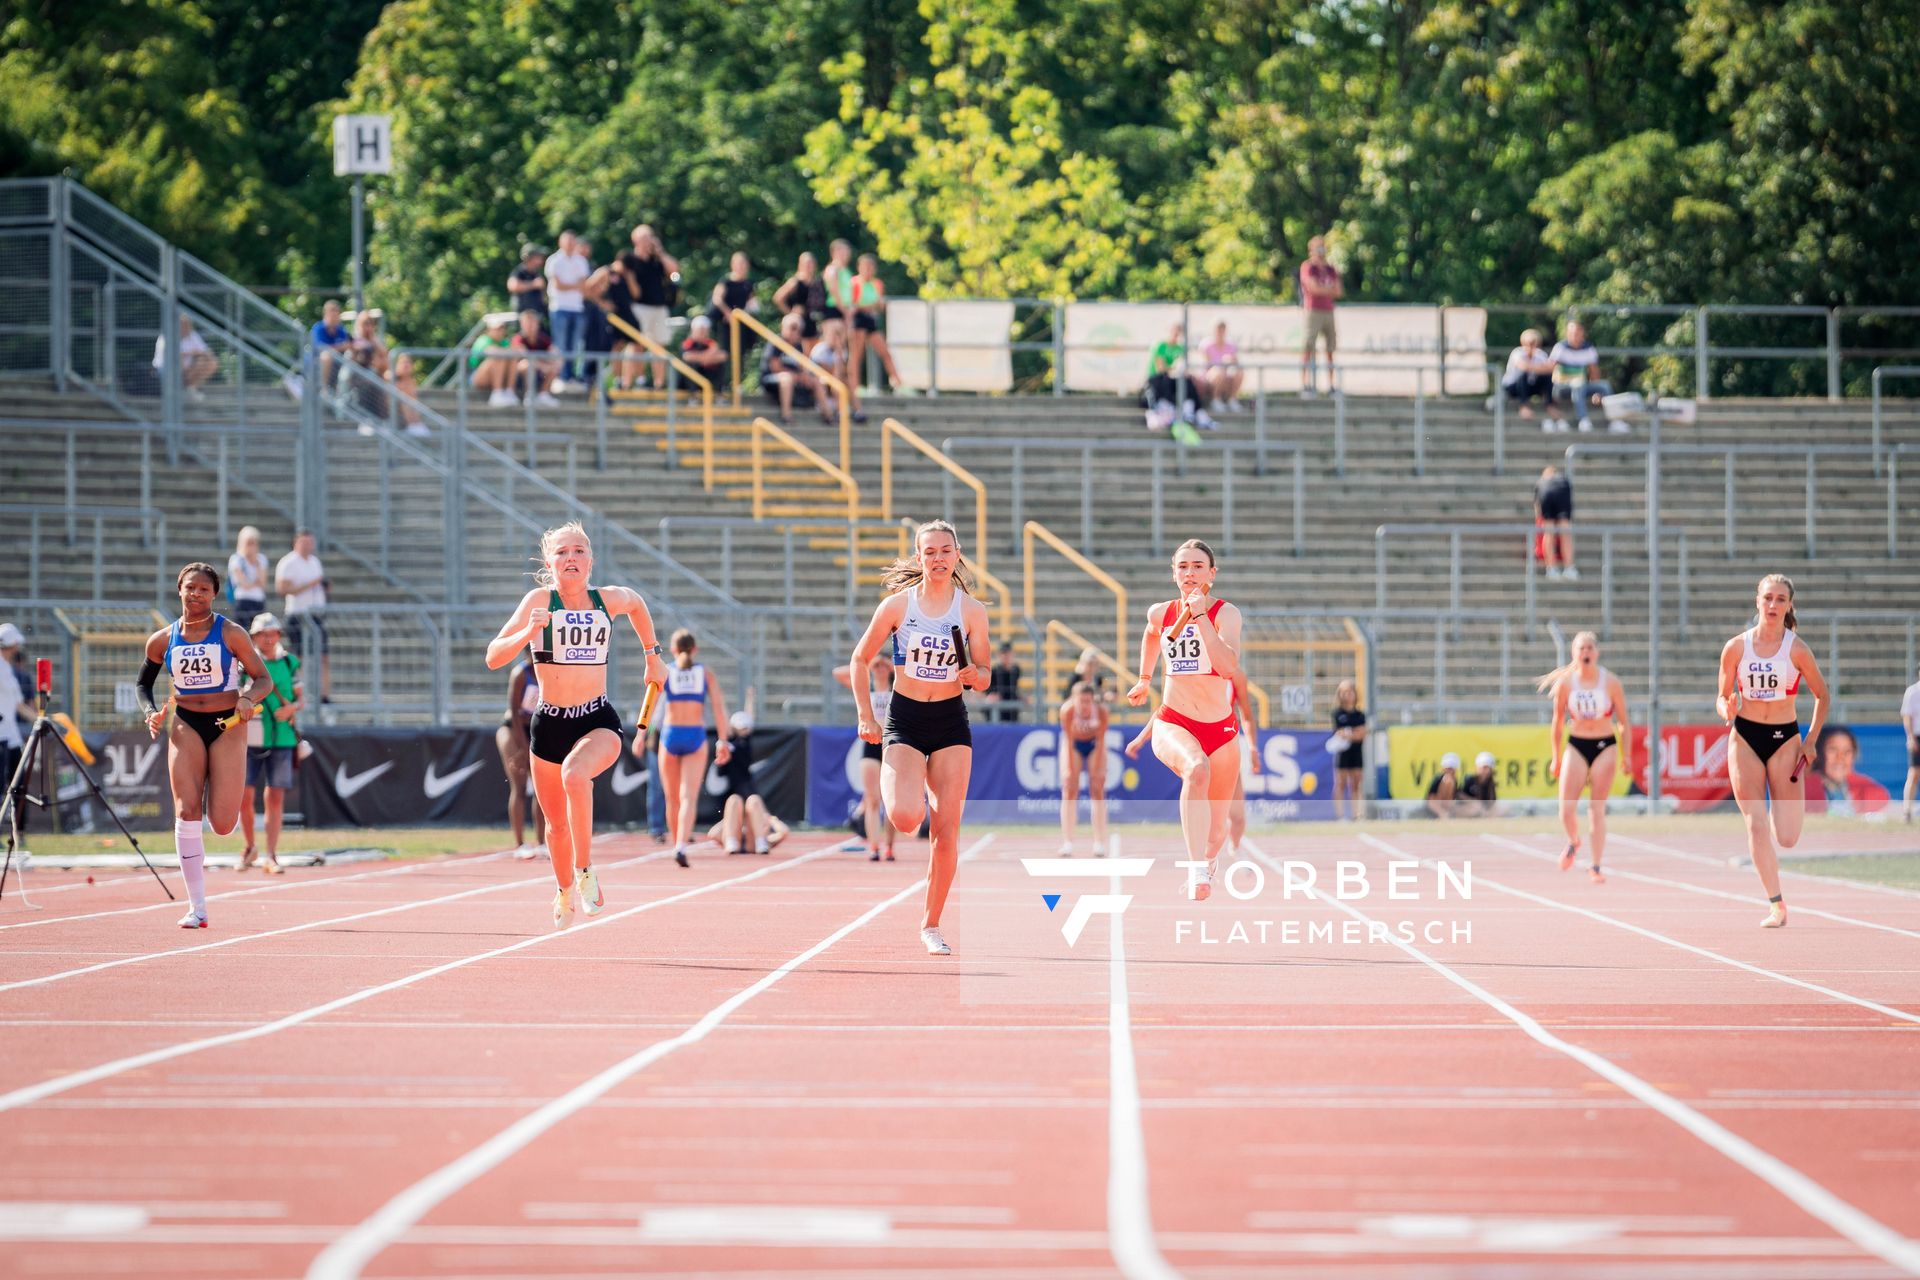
(1523, 754)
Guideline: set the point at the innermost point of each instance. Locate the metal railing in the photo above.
(1032, 530)
(1051, 665)
(149, 530)
(849, 487)
(1232, 476)
(737, 317)
(680, 368)
(892, 427)
(1733, 452)
(1456, 532)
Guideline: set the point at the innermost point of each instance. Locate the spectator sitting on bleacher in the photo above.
(1224, 375)
(534, 375)
(526, 283)
(402, 378)
(1529, 377)
(1480, 793)
(490, 371)
(1164, 403)
(784, 379)
(1445, 787)
(332, 338)
(1577, 378)
(368, 355)
(830, 353)
(197, 361)
(1553, 516)
(701, 351)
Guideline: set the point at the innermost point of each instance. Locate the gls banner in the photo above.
(1016, 777)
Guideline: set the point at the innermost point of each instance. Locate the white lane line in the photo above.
(1868, 1233)
(60, 1084)
(1704, 890)
(612, 1026)
(79, 884)
(1129, 1203)
(281, 887)
(1721, 863)
(353, 1250)
(521, 883)
(1802, 983)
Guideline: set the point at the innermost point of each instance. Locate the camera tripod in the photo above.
(36, 751)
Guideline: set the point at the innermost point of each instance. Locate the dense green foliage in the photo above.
(1521, 150)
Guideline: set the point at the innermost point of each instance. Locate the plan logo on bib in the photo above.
(1087, 905)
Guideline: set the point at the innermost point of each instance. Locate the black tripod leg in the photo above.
(114, 814)
(15, 797)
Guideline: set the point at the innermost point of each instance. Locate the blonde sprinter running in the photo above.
(1195, 732)
(927, 742)
(1761, 670)
(576, 732)
(1590, 696)
(683, 739)
(203, 655)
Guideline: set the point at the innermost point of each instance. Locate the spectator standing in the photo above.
(651, 269)
(1445, 787)
(538, 367)
(611, 291)
(1910, 718)
(735, 293)
(1088, 671)
(806, 293)
(1224, 375)
(1577, 378)
(1480, 793)
(247, 575)
(837, 278)
(1529, 377)
(369, 356)
(332, 337)
(527, 283)
(1320, 289)
(1553, 516)
(1349, 746)
(869, 301)
(197, 361)
(492, 371)
(303, 580)
(1003, 684)
(271, 743)
(13, 703)
(567, 274)
(702, 352)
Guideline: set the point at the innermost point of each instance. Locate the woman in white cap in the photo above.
(271, 742)
(1445, 787)
(1588, 705)
(1480, 792)
(744, 815)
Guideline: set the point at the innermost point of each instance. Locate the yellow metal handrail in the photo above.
(736, 318)
(1034, 529)
(694, 376)
(1004, 606)
(848, 485)
(894, 427)
(1056, 630)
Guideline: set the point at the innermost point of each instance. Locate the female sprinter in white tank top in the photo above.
(203, 655)
(1761, 670)
(1083, 749)
(576, 732)
(1195, 732)
(927, 742)
(1590, 696)
(683, 739)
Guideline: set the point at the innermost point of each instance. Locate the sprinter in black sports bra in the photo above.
(1590, 707)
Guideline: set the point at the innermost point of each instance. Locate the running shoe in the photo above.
(525, 853)
(274, 868)
(563, 907)
(1203, 883)
(873, 855)
(763, 848)
(592, 901)
(1776, 918)
(889, 856)
(936, 945)
(1066, 848)
(1570, 573)
(680, 856)
(194, 920)
(1566, 857)
(1596, 875)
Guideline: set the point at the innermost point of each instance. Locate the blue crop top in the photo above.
(201, 666)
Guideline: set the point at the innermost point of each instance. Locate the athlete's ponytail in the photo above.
(683, 645)
(1546, 682)
(1793, 623)
(902, 574)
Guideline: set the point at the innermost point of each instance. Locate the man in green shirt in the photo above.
(1165, 396)
(272, 741)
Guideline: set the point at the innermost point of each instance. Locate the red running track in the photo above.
(751, 1067)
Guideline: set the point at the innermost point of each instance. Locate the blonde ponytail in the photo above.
(1546, 683)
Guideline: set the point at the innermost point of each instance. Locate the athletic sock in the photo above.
(189, 839)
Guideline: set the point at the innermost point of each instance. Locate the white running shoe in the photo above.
(194, 920)
(1066, 848)
(936, 945)
(563, 907)
(592, 901)
(1203, 883)
(1234, 406)
(1553, 573)
(1619, 428)
(503, 400)
(1570, 573)
(525, 853)
(1776, 916)
(547, 400)
(1586, 424)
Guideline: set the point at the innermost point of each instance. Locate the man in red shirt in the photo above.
(1319, 288)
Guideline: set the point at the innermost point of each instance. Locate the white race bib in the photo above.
(581, 637)
(929, 656)
(1186, 654)
(687, 682)
(1587, 704)
(196, 668)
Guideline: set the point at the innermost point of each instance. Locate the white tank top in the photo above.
(1595, 703)
(1773, 679)
(923, 644)
(881, 700)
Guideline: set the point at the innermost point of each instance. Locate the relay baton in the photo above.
(646, 704)
(1799, 764)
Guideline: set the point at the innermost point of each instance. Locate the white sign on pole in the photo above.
(1296, 700)
(362, 144)
(974, 341)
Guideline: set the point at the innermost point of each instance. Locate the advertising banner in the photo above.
(972, 340)
(1379, 346)
(1524, 753)
(1857, 769)
(1016, 777)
